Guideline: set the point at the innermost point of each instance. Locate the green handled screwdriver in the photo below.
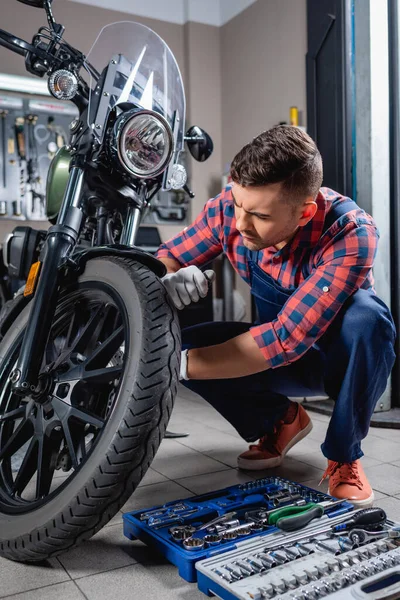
(291, 518)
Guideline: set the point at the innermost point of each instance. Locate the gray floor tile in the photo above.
(159, 582)
(315, 459)
(379, 496)
(17, 577)
(384, 478)
(291, 469)
(212, 439)
(176, 460)
(228, 457)
(391, 506)
(319, 429)
(380, 448)
(314, 484)
(218, 445)
(202, 484)
(395, 462)
(368, 461)
(116, 520)
(387, 434)
(306, 446)
(66, 591)
(152, 477)
(108, 549)
(155, 495)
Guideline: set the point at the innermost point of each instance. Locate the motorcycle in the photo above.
(90, 350)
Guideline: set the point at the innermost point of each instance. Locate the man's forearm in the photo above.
(172, 265)
(237, 357)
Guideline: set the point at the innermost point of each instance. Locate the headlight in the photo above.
(144, 142)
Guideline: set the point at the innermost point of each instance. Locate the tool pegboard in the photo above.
(31, 132)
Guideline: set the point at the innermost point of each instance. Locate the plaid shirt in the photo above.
(338, 263)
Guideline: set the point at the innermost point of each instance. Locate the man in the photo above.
(307, 253)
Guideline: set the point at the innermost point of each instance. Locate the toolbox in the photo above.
(355, 564)
(211, 525)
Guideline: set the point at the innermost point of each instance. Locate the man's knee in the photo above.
(366, 316)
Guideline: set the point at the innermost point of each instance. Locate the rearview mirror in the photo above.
(35, 3)
(199, 142)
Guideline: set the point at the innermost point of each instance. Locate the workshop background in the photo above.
(332, 66)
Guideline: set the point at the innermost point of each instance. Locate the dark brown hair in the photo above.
(283, 154)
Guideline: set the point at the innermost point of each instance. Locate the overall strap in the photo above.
(337, 210)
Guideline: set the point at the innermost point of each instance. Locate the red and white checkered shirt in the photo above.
(339, 262)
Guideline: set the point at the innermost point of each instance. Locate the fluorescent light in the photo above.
(26, 85)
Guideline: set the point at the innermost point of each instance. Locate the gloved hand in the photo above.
(187, 285)
(183, 374)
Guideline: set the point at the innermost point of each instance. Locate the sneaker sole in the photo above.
(361, 503)
(270, 463)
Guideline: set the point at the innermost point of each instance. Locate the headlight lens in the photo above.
(63, 84)
(145, 144)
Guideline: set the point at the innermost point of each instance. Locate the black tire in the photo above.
(133, 431)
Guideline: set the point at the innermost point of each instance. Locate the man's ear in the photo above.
(308, 211)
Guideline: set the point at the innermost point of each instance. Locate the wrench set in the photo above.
(272, 538)
(309, 569)
(189, 530)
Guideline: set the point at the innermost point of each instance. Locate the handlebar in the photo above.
(15, 44)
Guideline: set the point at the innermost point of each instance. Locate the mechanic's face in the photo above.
(264, 219)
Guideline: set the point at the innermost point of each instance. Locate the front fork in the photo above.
(60, 240)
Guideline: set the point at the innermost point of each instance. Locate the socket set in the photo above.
(335, 560)
(199, 527)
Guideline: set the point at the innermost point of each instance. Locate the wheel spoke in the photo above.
(21, 435)
(106, 350)
(83, 338)
(46, 464)
(17, 413)
(59, 424)
(27, 468)
(87, 418)
(79, 373)
(69, 333)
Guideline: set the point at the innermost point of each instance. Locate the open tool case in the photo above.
(164, 527)
(308, 566)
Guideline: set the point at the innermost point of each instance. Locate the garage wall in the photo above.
(82, 24)
(240, 78)
(263, 69)
(263, 74)
(195, 46)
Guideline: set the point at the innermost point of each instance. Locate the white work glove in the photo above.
(187, 285)
(184, 366)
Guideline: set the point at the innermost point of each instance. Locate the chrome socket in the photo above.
(193, 544)
(213, 539)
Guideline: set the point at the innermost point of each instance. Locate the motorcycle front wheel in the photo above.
(72, 453)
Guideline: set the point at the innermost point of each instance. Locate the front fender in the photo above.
(78, 259)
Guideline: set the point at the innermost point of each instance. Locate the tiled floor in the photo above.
(109, 566)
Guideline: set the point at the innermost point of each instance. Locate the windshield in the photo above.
(143, 72)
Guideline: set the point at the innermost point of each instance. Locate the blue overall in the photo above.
(350, 363)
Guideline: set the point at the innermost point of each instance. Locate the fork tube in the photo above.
(60, 240)
(131, 226)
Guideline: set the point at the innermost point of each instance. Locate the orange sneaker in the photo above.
(272, 447)
(348, 481)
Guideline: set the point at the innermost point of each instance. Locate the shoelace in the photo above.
(342, 473)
